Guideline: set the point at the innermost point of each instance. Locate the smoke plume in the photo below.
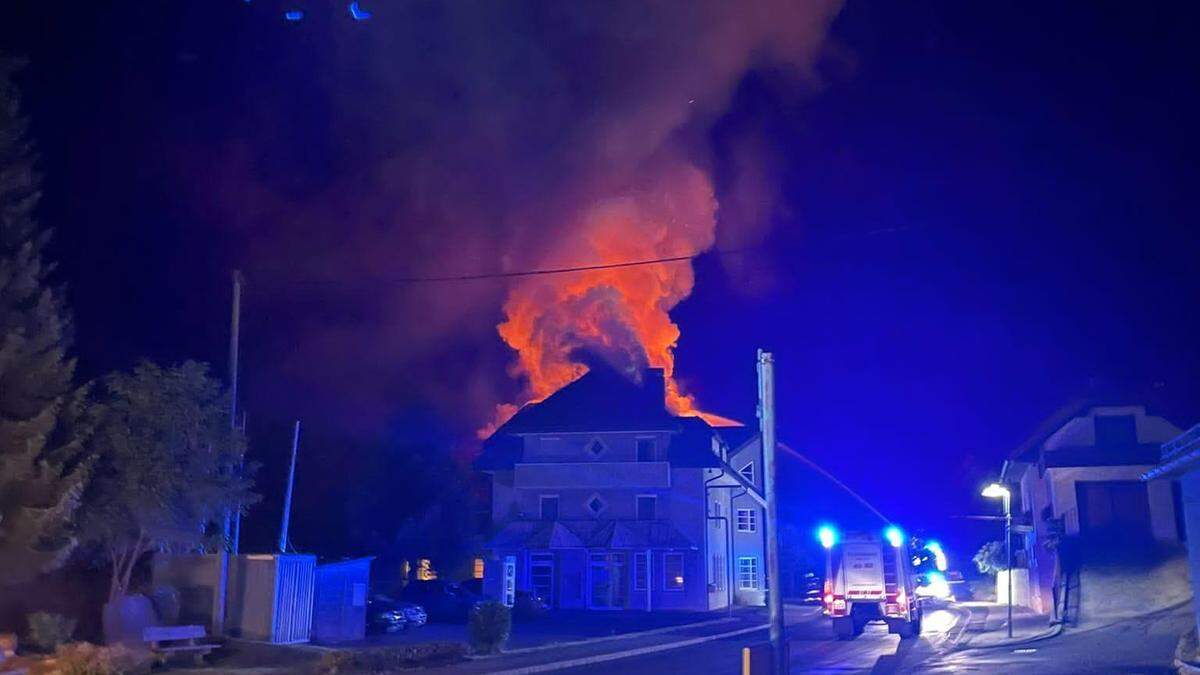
(473, 137)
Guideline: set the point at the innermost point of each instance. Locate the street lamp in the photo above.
(998, 491)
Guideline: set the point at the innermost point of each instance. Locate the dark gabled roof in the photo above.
(601, 400)
(736, 437)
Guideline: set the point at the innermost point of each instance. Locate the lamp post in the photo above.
(998, 491)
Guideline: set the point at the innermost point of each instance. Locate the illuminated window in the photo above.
(673, 571)
(748, 472)
(747, 520)
(425, 571)
(747, 573)
(477, 571)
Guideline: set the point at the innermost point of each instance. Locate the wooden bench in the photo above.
(166, 641)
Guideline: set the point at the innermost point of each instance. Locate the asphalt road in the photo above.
(1140, 645)
(812, 645)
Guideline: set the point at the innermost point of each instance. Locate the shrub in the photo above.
(47, 631)
(489, 628)
(388, 659)
(991, 558)
(84, 658)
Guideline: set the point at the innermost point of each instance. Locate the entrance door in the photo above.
(541, 576)
(1113, 509)
(608, 581)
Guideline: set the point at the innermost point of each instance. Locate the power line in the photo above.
(543, 271)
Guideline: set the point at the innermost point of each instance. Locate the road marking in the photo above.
(605, 638)
(628, 653)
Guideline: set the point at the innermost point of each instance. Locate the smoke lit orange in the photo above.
(621, 315)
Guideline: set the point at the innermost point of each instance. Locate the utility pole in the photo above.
(287, 495)
(766, 421)
(1008, 553)
(218, 618)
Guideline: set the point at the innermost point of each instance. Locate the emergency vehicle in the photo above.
(869, 578)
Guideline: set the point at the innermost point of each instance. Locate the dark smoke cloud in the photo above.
(466, 137)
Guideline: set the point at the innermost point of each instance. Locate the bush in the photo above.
(47, 631)
(991, 558)
(84, 658)
(388, 659)
(489, 628)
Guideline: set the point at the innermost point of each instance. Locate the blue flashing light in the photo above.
(293, 15)
(939, 556)
(894, 535)
(827, 535)
(358, 13)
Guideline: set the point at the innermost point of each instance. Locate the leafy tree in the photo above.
(166, 471)
(991, 558)
(44, 417)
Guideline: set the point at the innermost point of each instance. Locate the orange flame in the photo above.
(622, 314)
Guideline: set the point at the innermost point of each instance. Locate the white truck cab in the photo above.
(868, 578)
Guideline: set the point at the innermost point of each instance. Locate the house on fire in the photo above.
(602, 499)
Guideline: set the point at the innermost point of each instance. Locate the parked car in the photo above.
(388, 615)
(443, 601)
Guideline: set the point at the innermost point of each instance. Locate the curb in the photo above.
(602, 638)
(1015, 642)
(613, 656)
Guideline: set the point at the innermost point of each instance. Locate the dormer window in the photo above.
(645, 450)
(595, 448)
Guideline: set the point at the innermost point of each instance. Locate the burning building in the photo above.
(603, 496)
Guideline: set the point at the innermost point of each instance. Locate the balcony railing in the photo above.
(593, 475)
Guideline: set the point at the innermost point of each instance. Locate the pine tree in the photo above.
(43, 415)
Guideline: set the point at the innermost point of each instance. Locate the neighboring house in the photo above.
(602, 499)
(1181, 460)
(1080, 475)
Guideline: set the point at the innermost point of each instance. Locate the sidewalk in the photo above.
(556, 627)
(987, 626)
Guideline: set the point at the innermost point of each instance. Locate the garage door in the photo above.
(1113, 509)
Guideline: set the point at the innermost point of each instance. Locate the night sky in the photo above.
(960, 215)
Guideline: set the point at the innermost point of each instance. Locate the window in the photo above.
(595, 448)
(549, 507)
(645, 450)
(718, 572)
(747, 574)
(673, 571)
(747, 520)
(716, 509)
(641, 571)
(748, 472)
(596, 504)
(646, 507)
(477, 569)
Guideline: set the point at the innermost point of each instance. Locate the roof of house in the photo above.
(603, 400)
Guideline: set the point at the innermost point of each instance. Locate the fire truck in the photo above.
(868, 578)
